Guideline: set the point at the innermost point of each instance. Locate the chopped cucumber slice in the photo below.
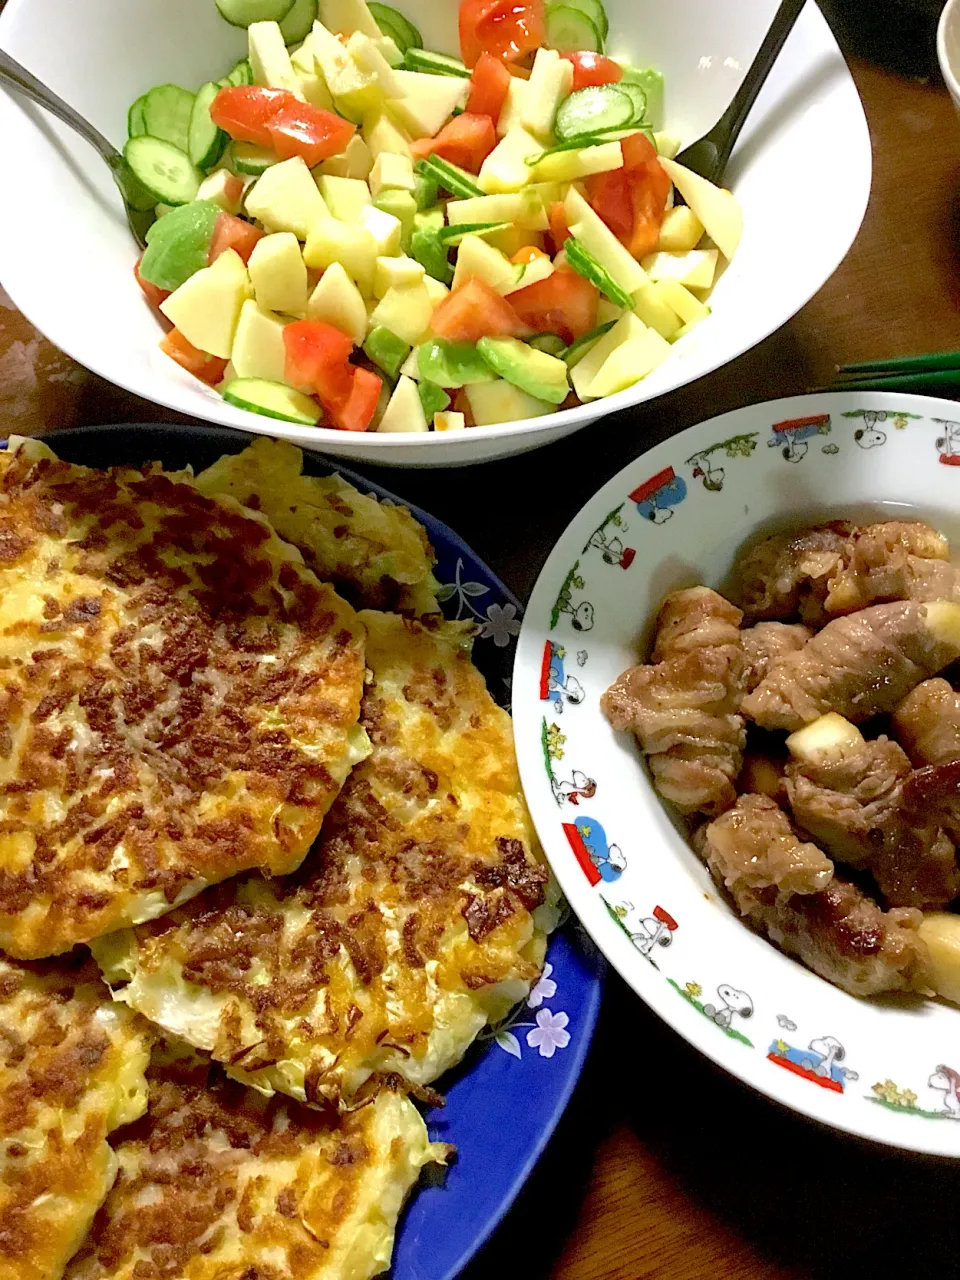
(136, 125)
(455, 233)
(432, 398)
(272, 400)
(242, 73)
(578, 349)
(569, 30)
(651, 82)
(551, 343)
(585, 264)
(393, 24)
(163, 169)
(386, 350)
(205, 141)
(449, 176)
(595, 110)
(243, 13)
(166, 114)
(592, 8)
(635, 92)
(578, 143)
(249, 159)
(298, 23)
(434, 64)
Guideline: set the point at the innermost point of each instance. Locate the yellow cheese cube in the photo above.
(387, 231)
(654, 312)
(448, 421)
(270, 61)
(567, 166)
(550, 82)
(384, 135)
(404, 412)
(286, 198)
(511, 113)
(500, 401)
(690, 309)
(478, 260)
(428, 101)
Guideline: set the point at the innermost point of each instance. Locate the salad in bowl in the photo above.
(356, 232)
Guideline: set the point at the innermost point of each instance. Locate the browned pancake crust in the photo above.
(71, 1071)
(219, 1183)
(177, 698)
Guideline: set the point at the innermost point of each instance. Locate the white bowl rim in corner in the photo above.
(949, 15)
(684, 508)
(810, 90)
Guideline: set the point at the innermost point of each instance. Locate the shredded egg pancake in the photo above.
(218, 1183)
(71, 1070)
(418, 917)
(179, 698)
(375, 553)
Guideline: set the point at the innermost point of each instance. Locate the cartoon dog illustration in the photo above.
(598, 858)
(712, 477)
(655, 930)
(949, 442)
(732, 1002)
(612, 549)
(947, 1081)
(658, 496)
(829, 1053)
(579, 787)
(869, 436)
(555, 685)
(792, 437)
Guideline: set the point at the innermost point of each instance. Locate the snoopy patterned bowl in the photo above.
(886, 1068)
(801, 171)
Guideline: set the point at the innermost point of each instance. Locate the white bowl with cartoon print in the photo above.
(801, 171)
(887, 1068)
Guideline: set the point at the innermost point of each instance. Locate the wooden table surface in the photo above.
(663, 1166)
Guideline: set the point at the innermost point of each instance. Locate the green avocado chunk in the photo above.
(433, 398)
(538, 374)
(386, 350)
(178, 244)
(427, 249)
(404, 208)
(451, 364)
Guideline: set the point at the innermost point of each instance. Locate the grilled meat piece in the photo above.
(840, 567)
(897, 560)
(927, 723)
(685, 706)
(858, 666)
(753, 849)
(766, 643)
(843, 935)
(851, 800)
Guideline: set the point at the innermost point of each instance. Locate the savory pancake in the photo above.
(179, 698)
(374, 553)
(219, 1183)
(415, 920)
(71, 1071)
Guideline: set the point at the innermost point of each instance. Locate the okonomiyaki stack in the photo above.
(291, 833)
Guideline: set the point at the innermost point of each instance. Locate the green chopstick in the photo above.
(932, 363)
(938, 380)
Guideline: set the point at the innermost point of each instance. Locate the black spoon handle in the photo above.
(725, 133)
(20, 79)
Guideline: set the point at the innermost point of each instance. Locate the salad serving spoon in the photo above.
(709, 155)
(138, 202)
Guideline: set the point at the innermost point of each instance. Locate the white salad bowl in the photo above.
(801, 172)
(886, 1068)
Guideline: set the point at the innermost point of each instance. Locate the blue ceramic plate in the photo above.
(504, 1101)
